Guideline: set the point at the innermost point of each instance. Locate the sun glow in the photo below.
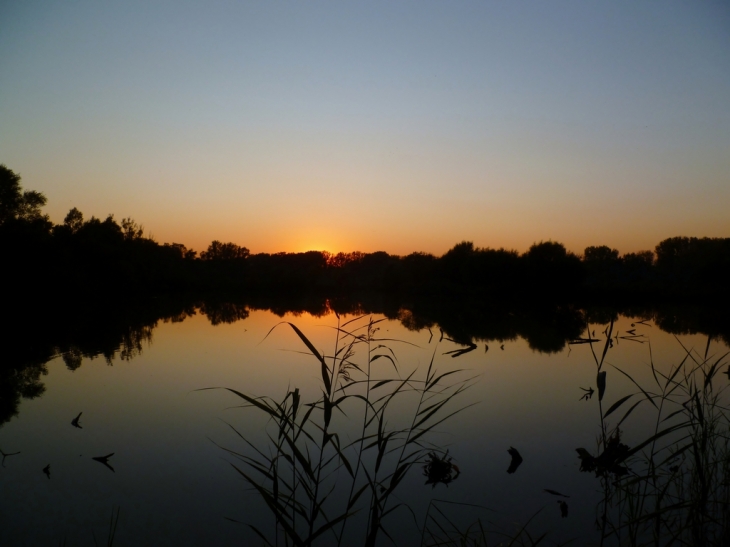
(317, 248)
(315, 242)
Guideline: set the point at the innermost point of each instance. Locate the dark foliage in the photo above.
(105, 257)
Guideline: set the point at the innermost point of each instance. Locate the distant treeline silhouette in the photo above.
(97, 256)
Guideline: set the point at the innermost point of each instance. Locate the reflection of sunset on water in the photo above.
(145, 409)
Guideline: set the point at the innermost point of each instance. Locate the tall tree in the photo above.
(16, 204)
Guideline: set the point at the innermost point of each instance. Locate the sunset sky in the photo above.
(396, 126)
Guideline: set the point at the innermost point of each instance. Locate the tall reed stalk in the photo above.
(673, 488)
(321, 487)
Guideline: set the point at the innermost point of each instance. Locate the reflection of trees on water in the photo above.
(16, 383)
(546, 330)
(81, 331)
(713, 322)
(223, 312)
(128, 347)
(74, 331)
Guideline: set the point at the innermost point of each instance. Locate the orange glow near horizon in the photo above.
(288, 128)
(403, 247)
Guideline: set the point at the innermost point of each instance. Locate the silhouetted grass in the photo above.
(113, 521)
(672, 488)
(308, 450)
(441, 530)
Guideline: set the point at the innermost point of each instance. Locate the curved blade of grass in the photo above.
(617, 404)
(433, 382)
(670, 378)
(653, 438)
(713, 369)
(353, 320)
(433, 411)
(301, 458)
(429, 428)
(649, 397)
(524, 527)
(607, 344)
(380, 384)
(343, 458)
(258, 532)
(313, 350)
(396, 340)
(676, 454)
(254, 401)
(280, 512)
(327, 526)
(355, 496)
(629, 411)
(383, 356)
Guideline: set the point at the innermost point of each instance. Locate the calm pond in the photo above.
(172, 480)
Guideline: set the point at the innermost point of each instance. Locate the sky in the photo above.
(397, 126)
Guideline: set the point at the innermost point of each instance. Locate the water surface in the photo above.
(175, 485)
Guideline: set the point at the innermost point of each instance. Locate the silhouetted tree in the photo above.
(637, 271)
(131, 230)
(224, 251)
(16, 204)
(547, 252)
(418, 272)
(690, 261)
(457, 266)
(602, 265)
(106, 256)
(74, 220)
(180, 251)
(600, 254)
(551, 269)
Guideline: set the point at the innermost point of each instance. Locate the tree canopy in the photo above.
(16, 204)
(107, 256)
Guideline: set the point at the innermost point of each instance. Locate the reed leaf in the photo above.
(653, 438)
(629, 411)
(383, 356)
(442, 420)
(279, 512)
(601, 383)
(327, 526)
(353, 500)
(315, 353)
(649, 397)
(381, 383)
(433, 382)
(617, 404)
(260, 534)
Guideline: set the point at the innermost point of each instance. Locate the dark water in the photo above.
(134, 378)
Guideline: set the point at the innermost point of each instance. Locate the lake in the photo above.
(138, 383)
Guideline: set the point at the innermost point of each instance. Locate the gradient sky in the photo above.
(396, 126)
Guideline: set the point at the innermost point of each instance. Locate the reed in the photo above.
(673, 488)
(670, 488)
(321, 487)
(113, 521)
(322, 483)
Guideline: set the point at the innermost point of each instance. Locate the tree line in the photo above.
(95, 256)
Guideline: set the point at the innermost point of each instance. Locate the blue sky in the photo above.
(399, 126)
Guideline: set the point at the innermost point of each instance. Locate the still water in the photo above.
(174, 485)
